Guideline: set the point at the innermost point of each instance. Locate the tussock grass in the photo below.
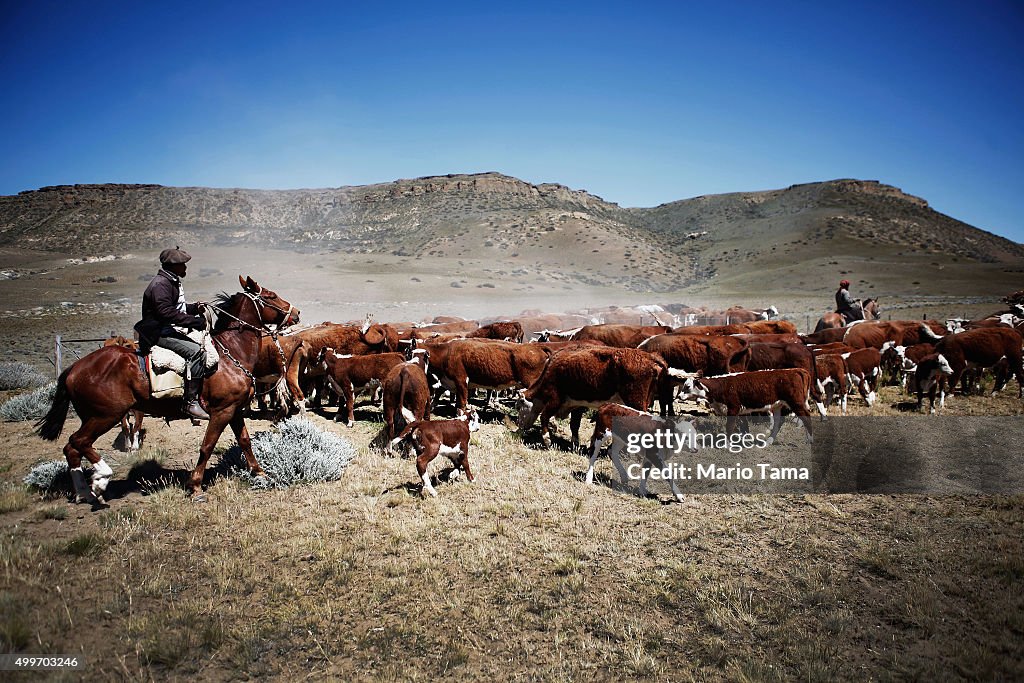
(14, 498)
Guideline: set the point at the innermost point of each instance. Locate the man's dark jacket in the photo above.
(160, 310)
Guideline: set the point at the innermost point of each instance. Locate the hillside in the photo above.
(548, 229)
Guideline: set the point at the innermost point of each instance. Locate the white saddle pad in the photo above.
(163, 359)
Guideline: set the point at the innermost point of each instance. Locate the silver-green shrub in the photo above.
(50, 476)
(19, 375)
(30, 406)
(297, 452)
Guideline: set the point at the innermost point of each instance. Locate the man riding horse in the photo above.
(163, 308)
(846, 305)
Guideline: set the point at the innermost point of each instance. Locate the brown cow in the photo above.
(770, 327)
(431, 438)
(406, 394)
(345, 373)
(826, 336)
(620, 336)
(466, 364)
(903, 332)
(505, 330)
(786, 337)
(462, 327)
(763, 391)
(696, 353)
(778, 356)
(345, 339)
(983, 348)
(590, 377)
(863, 369)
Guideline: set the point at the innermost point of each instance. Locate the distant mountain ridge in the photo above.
(494, 216)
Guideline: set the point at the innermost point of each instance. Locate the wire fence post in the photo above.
(56, 355)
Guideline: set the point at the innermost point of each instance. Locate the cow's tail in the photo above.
(409, 429)
(51, 425)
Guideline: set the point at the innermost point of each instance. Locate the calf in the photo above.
(762, 391)
(406, 394)
(832, 374)
(621, 336)
(346, 372)
(930, 375)
(632, 421)
(431, 438)
(588, 378)
(863, 370)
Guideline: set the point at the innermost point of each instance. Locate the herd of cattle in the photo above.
(758, 366)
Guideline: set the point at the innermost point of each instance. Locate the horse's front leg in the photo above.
(215, 427)
(245, 443)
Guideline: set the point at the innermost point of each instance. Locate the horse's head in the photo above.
(871, 309)
(270, 307)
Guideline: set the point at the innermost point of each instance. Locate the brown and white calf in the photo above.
(863, 370)
(902, 361)
(983, 348)
(589, 378)
(431, 438)
(931, 375)
(759, 392)
(345, 373)
(406, 394)
(632, 421)
(832, 374)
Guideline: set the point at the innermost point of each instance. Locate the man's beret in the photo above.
(175, 255)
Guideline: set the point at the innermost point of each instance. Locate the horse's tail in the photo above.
(51, 425)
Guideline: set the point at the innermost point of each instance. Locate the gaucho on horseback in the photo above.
(165, 314)
(846, 305)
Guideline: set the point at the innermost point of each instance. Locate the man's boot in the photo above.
(193, 387)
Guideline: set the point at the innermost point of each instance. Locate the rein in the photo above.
(262, 330)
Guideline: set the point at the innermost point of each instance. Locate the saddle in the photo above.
(166, 369)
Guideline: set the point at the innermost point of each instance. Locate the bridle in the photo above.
(263, 329)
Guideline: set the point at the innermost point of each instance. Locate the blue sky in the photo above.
(639, 103)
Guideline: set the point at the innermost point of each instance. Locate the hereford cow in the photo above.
(827, 336)
(770, 327)
(695, 354)
(345, 373)
(406, 394)
(763, 391)
(738, 314)
(863, 370)
(431, 438)
(345, 340)
(632, 421)
(462, 327)
(901, 361)
(620, 336)
(787, 337)
(466, 364)
(589, 378)
(981, 348)
(903, 332)
(778, 356)
(507, 330)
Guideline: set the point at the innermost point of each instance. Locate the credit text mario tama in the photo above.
(912, 454)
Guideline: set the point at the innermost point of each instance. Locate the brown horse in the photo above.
(107, 383)
(832, 320)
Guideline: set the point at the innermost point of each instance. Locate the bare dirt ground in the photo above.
(525, 574)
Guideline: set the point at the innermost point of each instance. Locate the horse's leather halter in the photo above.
(257, 300)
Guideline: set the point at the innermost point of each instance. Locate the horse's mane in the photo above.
(226, 302)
